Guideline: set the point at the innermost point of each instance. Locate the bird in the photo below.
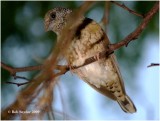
(89, 39)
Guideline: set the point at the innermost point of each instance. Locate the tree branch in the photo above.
(105, 19)
(153, 64)
(13, 70)
(128, 9)
(18, 84)
(134, 35)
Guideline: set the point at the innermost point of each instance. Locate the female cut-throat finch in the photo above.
(90, 39)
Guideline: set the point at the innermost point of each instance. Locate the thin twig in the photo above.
(128, 9)
(19, 77)
(134, 35)
(62, 100)
(153, 64)
(45, 102)
(105, 18)
(18, 84)
(50, 114)
(13, 70)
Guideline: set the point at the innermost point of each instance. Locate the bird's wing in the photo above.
(115, 64)
(102, 89)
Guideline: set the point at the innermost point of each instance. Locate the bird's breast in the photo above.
(89, 41)
(99, 73)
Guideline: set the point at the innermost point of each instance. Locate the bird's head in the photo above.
(56, 19)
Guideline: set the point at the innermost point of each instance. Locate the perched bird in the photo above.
(89, 39)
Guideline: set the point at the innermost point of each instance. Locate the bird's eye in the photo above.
(53, 15)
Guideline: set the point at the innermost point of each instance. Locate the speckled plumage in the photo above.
(90, 39)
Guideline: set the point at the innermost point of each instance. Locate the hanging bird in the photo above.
(90, 39)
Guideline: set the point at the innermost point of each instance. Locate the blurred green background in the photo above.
(24, 43)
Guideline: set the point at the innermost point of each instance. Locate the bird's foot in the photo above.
(71, 68)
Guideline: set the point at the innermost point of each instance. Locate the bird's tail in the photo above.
(127, 105)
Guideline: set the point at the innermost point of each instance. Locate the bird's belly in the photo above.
(98, 73)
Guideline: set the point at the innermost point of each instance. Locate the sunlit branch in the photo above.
(128, 9)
